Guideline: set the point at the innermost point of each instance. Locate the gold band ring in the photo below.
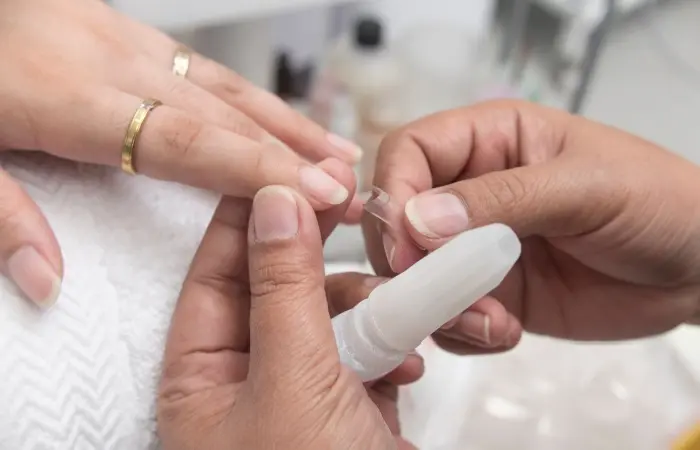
(181, 61)
(132, 134)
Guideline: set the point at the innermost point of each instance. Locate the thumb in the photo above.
(29, 253)
(551, 200)
(290, 329)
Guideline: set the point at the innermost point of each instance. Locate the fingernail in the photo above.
(352, 151)
(414, 355)
(389, 249)
(437, 215)
(476, 326)
(34, 276)
(275, 214)
(374, 282)
(513, 336)
(451, 324)
(321, 186)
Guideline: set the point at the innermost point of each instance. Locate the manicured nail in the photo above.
(275, 214)
(321, 186)
(34, 276)
(389, 249)
(451, 324)
(351, 150)
(437, 215)
(476, 326)
(415, 356)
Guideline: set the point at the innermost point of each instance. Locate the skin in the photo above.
(251, 360)
(610, 252)
(75, 72)
(609, 222)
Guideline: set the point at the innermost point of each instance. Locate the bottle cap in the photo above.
(368, 33)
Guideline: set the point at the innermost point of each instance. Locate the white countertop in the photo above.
(686, 341)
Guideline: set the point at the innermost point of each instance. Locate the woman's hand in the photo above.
(73, 75)
(251, 360)
(610, 223)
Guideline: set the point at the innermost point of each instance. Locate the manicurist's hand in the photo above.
(251, 360)
(610, 223)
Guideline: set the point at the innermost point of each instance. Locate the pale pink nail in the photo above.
(275, 214)
(322, 187)
(34, 276)
(416, 356)
(450, 324)
(437, 215)
(351, 151)
(476, 326)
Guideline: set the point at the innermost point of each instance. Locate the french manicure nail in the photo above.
(275, 214)
(437, 215)
(476, 326)
(350, 149)
(450, 324)
(34, 276)
(321, 186)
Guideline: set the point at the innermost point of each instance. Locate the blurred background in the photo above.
(362, 68)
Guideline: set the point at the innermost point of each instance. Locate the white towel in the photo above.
(83, 375)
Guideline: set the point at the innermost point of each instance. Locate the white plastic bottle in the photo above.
(375, 336)
(362, 68)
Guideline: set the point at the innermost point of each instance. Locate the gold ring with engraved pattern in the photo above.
(132, 134)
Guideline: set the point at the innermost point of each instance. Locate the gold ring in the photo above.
(132, 133)
(181, 61)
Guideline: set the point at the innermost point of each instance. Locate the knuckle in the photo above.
(504, 191)
(221, 81)
(394, 139)
(391, 155)
(183, 135)
(282, 277)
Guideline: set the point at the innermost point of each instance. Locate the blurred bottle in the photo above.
(363, 72)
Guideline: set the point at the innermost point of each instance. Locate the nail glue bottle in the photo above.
(375, 336)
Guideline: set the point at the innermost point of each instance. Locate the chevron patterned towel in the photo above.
(83, 375)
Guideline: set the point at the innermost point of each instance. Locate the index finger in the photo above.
(445, 147)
